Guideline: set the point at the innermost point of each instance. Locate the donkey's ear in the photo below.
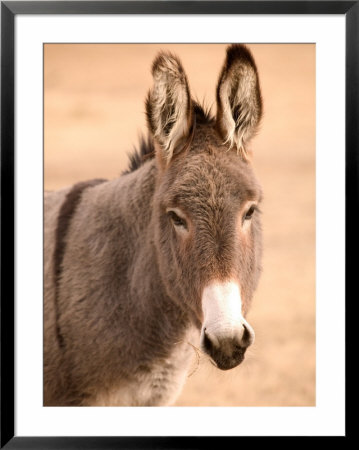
(239, 101)
(168, 106)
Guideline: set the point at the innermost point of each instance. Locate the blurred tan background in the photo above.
(93, 116)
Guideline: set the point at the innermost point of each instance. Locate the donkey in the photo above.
(142, 269)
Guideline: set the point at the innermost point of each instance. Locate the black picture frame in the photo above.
(9, 10)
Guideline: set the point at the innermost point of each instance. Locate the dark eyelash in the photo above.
(251, 210)
(178, 221)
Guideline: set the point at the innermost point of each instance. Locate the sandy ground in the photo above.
(94, 113)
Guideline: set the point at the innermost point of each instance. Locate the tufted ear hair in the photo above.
(168, 106)
(239, 101)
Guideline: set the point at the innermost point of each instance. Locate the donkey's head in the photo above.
(206, 217)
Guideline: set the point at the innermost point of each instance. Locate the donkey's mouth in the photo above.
(224, 362)
(224, 357)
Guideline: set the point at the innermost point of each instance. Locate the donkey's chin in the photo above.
(224, 362)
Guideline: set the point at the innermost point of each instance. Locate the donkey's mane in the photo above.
(141, 154)
(146, 149)
(203, 113)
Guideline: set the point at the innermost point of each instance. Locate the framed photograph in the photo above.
(177, 193)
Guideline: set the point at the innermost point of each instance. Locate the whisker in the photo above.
(197, 352)
(213, 363)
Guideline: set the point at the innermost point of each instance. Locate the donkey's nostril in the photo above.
(246, 337)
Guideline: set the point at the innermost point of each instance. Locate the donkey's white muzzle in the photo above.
(225, 334)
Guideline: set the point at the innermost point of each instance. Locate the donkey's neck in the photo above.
(129, 198)
(157, 321)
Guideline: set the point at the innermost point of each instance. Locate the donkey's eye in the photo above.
(249, 213)
(177, 220)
